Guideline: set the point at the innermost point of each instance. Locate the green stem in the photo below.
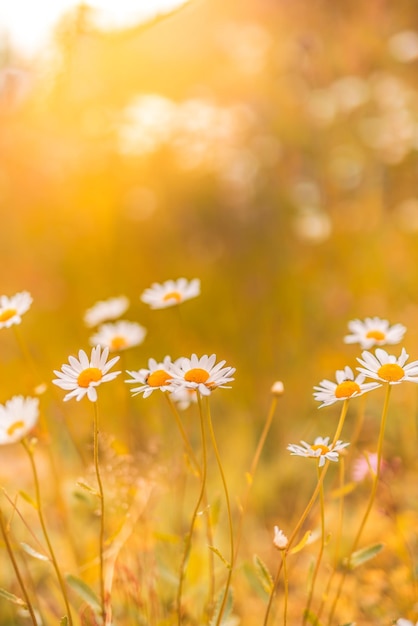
(337, 539)
(228, 507)
(29, 450)
(286, 586)
(102, 509)
(9, 548)
(321, 551)
(189, 535)
(371, 499)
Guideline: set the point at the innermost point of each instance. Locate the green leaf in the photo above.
(263, 574)
(88, 488)
(36, 555)
(363, 555)
(223, 559)
(84, 591)
(227, 610)
(28, 498)
(311, 618)
(12, 598)
(301, 543)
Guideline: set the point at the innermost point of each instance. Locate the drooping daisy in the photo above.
(156, 376)
(105, 310)
(201, 373)
(374, 331)
(346, 387)
(183, 397)
(17, 418)
(11, 309)
(118, 335)
(386, 368)
(280, 540)
(321, 449)
(83, 375)
(170, 293)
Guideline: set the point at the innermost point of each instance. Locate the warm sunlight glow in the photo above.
(28, 25)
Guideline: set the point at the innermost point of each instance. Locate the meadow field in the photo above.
(208, 319)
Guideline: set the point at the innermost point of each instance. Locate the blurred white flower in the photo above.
(374, 331)
(11, 309)
(170, 293)
(17, 418)
(119, 335)
(106, 310)
(280, 540)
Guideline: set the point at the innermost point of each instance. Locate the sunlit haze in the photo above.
(27, 25)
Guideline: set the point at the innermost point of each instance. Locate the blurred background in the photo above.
(267, 147)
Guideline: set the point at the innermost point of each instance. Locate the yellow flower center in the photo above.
(14, 427)
(196, 375)
(172, 295)
(118, 343)
(320, 446)
(158, 378)
(89, 375)
(376, 334)
(391, 372)
(7, 314)
(346, 389)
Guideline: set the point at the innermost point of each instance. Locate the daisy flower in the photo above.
(11, 309)
(346, 387)
(280, 540)
(374, 332)
(118, 335)
(170, 293)
(106, 310)
(201, 373)
(83, 375)
(156, 376)
(321, 449)
(404, 622)
(386, 368)
(17, 418)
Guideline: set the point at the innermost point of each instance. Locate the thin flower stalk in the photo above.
(228, 508)
(376, 477)
(286, 586)
(19, 577)
(102, 510)
(338, 536)
(27, 446)
(189, 536)
(321, 550)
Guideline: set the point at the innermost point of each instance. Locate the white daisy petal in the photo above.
(386, 368)
(348, 387)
